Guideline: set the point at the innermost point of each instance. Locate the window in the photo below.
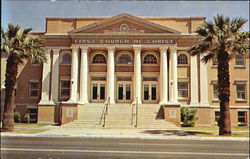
(240, 89)
(99, 58)
(33, 114)
(66, 59)
(242, 116)
(239, 60)
(150, 59)
(217, 116)
(214, 61)
(215, 91)
(33, 89)
(182, 59)
(183, 89)
(65, 88)
(124, 59)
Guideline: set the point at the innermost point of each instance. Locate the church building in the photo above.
(132, 64)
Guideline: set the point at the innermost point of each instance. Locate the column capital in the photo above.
(110, 48)
(84, 48)
(163, 48)
(74, 47)
(56, 51)
(137, 47)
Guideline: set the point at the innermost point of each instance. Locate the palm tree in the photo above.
(222, 39)
(18, 44)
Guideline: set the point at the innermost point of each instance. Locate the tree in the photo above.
(222, 39)
(19, 45)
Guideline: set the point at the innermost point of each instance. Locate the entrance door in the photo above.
(124, 93)
(98, 91)
(150, 92)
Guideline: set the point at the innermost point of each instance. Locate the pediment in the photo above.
(124, 23)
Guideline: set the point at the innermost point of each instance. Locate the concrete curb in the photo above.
(132, 137)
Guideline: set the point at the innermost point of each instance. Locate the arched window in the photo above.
(239, 60)
(150, 59)
(66, 59)
(99, 58)
(124, 59)
(182, 59)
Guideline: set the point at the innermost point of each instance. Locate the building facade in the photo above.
(127, 59)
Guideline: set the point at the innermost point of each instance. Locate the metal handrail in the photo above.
(136, 121)
(104, 112)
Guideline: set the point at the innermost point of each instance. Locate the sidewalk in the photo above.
(55, 131)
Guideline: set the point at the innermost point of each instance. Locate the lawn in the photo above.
(215, 128)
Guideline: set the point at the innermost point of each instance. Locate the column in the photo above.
(45, 95)
(84, 75)
(74, 73)
(137, 73)
(194, 81)
(174, 76)
(55, 75)
(111, 74)
(164, 77)
(203, 84)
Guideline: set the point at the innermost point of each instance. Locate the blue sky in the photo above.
(32, 13)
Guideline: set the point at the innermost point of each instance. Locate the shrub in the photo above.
(17, 117)
(188, 117)
(26, 118)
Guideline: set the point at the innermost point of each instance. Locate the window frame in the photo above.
(243, 60)
(187, 90)
(237, 98)
(182, 64)
(245, 118)
(120, 54)
(215, 92)
(32, 89)
(150, 53)
(92, 59)
(214, 62)
(62, 55)
(60, 90)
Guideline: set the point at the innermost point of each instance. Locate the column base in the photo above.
(46, 114)
(83, 102)
(71, 101)
(194, 104)
(139, 102)
(112, 102)
(46, 102)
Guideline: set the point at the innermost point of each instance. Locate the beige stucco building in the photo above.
(127, 59)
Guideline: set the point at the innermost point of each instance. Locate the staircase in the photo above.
(88, 116)
(119, 117)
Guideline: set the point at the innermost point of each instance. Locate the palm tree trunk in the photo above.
(224, 93)
(10, 82)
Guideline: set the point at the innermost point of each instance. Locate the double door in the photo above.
(98, 91)
(150, 92)
(124, 93)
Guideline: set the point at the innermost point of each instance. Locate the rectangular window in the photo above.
(183, 89)
(239, 60)
(215, 91)
(242, 117)
(216, 115)
(65, 88)
(241, 91)
(33, 114)
(214, 61)
(33, 89)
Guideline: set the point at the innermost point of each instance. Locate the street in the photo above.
(99, 148)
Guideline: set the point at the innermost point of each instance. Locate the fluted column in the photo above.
(45, 95)
(203, 84)
(164, 76)
(84, 76)
(55, 75)
(194, 81)
(137, 73)
(111, 74)
(74, 73)
(174, 76)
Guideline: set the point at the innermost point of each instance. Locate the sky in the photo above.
(32, 13)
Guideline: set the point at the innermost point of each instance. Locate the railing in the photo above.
(134, 116)
(104, 113)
